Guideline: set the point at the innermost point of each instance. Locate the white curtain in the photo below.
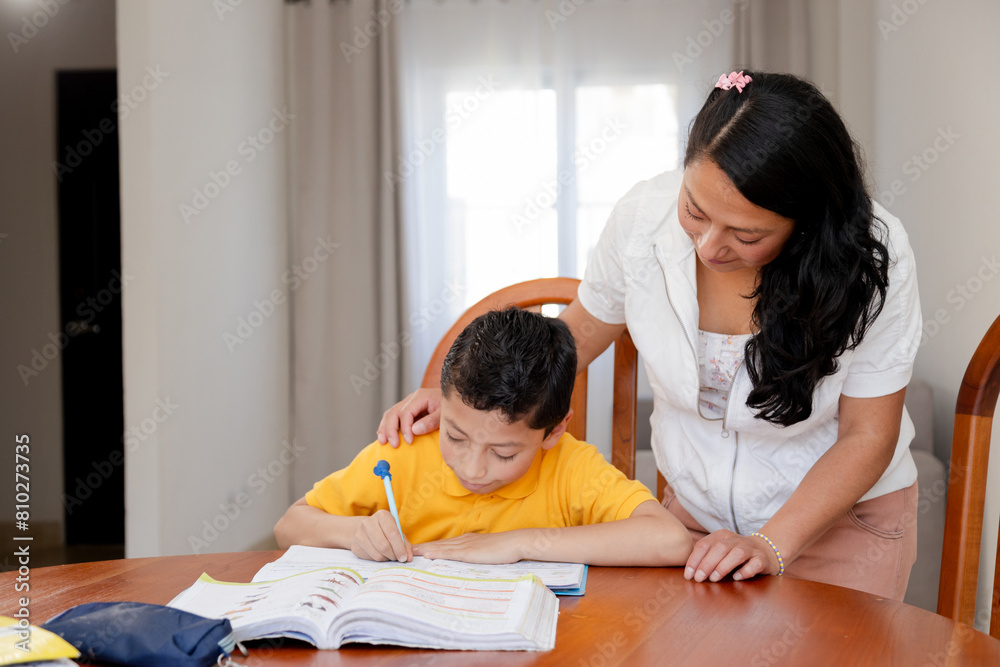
(346, 263)
(773, 35)
(819, 40)
(572, 98)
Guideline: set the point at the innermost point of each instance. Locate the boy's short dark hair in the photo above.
(515, 361)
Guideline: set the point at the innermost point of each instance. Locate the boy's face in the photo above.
(483, 450)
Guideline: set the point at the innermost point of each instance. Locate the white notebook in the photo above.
(563, 578)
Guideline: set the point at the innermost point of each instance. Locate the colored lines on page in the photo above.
(455, 594)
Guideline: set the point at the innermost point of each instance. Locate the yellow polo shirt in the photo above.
(570, 484)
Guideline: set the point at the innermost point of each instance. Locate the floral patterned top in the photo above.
(719, 355)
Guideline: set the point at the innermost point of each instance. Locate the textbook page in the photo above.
(297, 606)
(399, 606)
(435, 611)
(299, 559)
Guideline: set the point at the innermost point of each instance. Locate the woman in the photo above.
(776, 310)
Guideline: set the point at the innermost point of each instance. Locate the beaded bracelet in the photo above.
(781, 562)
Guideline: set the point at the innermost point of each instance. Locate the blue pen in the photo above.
(382, 470)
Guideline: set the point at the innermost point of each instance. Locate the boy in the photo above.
(502, 480)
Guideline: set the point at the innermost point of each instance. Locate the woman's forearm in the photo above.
(592, 335)
(869, 431)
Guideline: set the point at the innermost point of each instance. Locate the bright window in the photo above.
(495, 163)
(529, 199)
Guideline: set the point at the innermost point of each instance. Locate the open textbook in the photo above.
(396, 605)
(562, 578)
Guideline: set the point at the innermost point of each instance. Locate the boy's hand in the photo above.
(487, 548)
(400, 417)
(377, 538)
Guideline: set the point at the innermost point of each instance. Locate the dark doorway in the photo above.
(90, 286)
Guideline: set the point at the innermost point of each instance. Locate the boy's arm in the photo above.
(651, 536)
(372, 537)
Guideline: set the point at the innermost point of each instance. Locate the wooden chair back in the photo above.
(970, 451)
(532, 295)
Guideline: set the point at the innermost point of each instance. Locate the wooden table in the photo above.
(629, 616)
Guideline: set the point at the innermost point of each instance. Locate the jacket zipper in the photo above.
(725, 415)
(736, 453)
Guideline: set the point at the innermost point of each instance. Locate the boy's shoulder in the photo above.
(569, 451)
(581, 471)
(418, 451)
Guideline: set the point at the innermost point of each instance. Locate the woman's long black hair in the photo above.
(787, 150)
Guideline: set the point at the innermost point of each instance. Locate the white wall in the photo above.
(77, 35)
(217, 457)
(855, 76)
(935, 97)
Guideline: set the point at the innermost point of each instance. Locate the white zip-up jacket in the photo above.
(736, 471)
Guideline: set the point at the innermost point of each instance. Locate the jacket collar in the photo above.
(676, 256)
(674, 244)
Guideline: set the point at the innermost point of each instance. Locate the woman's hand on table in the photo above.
(724, 552)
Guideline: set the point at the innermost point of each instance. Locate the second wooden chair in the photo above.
(532, 295)
(970, 453)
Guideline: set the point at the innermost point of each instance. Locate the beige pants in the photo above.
(871, 548)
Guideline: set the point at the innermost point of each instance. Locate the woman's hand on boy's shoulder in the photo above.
(418, 413)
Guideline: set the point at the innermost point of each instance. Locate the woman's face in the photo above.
(729, 232)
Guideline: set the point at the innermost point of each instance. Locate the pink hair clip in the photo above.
(734, 79)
